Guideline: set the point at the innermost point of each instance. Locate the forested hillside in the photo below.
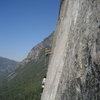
(26, 83)
(7, 66)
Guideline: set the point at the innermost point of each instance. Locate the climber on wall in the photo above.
(43, 84)
(47, 52)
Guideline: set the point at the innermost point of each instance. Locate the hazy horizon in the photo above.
(25, 23)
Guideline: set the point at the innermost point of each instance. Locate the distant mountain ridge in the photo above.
(7, 66)
(25, 82)
(35, 51)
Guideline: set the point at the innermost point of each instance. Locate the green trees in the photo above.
(27, 83)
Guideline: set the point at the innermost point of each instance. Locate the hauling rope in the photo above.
(47, 54)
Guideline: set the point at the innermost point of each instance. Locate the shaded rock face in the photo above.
(35, 52)
(74, 68)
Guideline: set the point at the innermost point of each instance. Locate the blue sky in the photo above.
(24, 23)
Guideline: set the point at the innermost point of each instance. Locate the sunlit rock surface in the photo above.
(74, 68)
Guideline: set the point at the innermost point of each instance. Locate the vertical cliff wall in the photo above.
(74, 68)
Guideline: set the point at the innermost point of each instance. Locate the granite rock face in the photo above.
(74, 68)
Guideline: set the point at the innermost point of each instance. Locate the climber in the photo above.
(43, 84)
(47, 52)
